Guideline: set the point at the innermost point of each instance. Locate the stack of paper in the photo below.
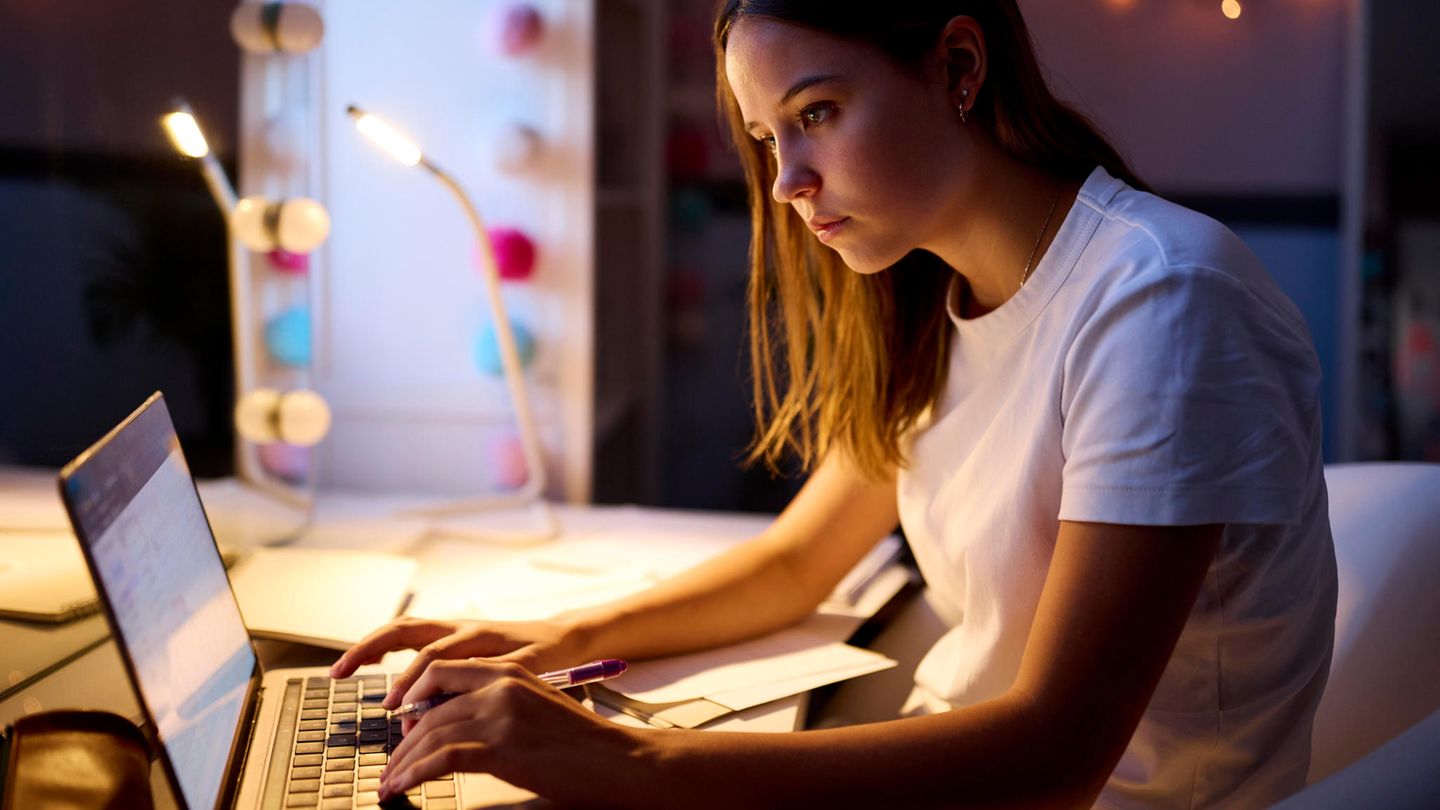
(690, 690)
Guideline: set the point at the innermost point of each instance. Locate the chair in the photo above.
(1385, 676)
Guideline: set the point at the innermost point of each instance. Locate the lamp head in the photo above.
(385, 136)
(185, 133)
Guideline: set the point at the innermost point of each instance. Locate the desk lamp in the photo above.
(531, 492)
(261, 414)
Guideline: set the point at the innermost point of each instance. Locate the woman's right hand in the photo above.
(538, 646)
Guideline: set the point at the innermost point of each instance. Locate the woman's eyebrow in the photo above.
(797, 88)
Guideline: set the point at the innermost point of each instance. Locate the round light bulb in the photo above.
(303, 417)
(1231, 9)
(255, 416)
(248, 221)
(298, 224)
(267, 27)
(304, 224)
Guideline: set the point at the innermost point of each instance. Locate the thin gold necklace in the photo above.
(1029, 263)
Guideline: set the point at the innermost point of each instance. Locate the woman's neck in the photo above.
(1000, 228)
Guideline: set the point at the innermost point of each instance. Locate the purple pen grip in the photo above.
(597, 671)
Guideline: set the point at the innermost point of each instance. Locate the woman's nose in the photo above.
(793, 179)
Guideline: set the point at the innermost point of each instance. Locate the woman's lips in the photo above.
(826, 229)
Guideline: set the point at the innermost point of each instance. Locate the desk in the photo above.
(74, 665)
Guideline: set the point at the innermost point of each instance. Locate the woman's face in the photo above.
(864, 151)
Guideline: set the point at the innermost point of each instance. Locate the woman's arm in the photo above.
(1114, 603)
(770, 581)
(761, 585)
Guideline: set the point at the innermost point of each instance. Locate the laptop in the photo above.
(229, 734)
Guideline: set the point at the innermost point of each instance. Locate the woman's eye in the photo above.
(816, 114)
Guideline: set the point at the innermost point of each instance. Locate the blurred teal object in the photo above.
(689, 208)
(487, 349)
(287, 336)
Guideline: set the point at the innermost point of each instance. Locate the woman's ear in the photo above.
(962, 55)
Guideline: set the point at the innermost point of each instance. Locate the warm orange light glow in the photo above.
(1231, 9)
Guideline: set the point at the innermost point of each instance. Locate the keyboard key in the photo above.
(305, 760)
(367, 799)
(342, 803)
(316, 703)
(312, 725)
(331, 791)
(309, 748)
(374, 680)
(316, 694)
(343, 706)
(435, 790)
(304, 785)
(312, 772)
(339, 764)
(440, 804)
(338, 777)
(372, 712)
(373, 748)
(374, 736)
(310, 736)
(303, 800)
(370, 771)
(316, 681)
(368, 723)
(339, 740)
(374, 759)
(312, 714)
(344, 752)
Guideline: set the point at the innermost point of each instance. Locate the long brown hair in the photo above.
(841, 360)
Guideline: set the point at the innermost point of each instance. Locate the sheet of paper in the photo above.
(320, 596)
(787, 655)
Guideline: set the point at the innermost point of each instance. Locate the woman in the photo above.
(1091, 411)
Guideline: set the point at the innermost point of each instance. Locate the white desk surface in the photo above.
(241, 517)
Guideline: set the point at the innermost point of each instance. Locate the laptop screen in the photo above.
(154, 558)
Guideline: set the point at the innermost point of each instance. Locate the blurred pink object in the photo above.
(507, 462)
(288, 262)
(514, 253)
(286, 461)
(521, 29)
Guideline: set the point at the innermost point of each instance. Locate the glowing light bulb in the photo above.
(385, 136)
(300, 418)
(1231, 9)
(298, 224)
(267, 27)
(185, 134)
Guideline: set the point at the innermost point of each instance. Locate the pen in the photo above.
(602, 670)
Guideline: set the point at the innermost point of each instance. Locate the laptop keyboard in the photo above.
(342, 740)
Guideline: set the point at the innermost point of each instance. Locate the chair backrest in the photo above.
(1385, 676)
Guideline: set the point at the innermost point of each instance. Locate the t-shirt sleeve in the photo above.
(1188, 399)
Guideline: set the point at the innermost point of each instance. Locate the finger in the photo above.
(400, 634)
(457, 710)
(458, 676)
(453, 748)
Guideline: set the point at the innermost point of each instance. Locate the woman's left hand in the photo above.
(508, 723)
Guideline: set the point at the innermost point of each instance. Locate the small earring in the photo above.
(961, 106)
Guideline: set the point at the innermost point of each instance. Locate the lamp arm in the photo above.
(509, 355)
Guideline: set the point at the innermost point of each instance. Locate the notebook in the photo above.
(229, 734)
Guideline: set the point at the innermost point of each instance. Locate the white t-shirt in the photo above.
(1149, 373)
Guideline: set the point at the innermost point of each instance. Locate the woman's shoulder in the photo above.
(1151, 231)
